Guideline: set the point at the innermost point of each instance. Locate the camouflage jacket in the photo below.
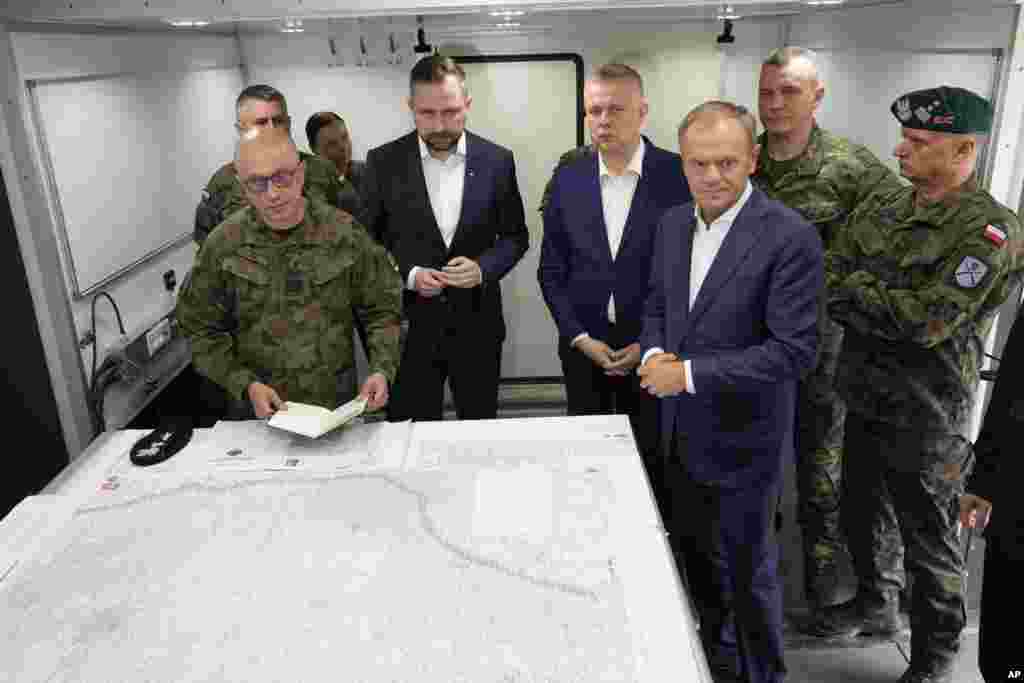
(277, 307)
(321, 183)
(827, 182)
(916, 289)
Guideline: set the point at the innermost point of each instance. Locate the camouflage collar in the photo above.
(808, 163)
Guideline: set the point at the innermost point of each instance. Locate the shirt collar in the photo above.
(635, 165)
(729, 216)
(460, 147)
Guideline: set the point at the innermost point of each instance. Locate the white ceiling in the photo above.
(439, 17)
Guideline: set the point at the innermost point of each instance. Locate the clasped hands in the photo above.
(663, 375)
(460, 272)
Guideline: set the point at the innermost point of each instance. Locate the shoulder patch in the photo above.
(970, 272)
(344, 216)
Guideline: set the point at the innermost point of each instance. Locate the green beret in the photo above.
(945, 110)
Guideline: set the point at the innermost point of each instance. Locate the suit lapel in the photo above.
(418, 181)
(742, 237)
(474, 189)
(638, 206)
(679, 279)
(592, 189)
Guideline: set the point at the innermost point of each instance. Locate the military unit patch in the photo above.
(971, 272)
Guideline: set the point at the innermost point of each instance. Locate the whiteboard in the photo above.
(861, 84)
(537, 130)
(127, 157)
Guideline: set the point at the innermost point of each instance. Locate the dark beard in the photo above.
(441, 142)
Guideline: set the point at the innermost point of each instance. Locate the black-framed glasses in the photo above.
(258, 184)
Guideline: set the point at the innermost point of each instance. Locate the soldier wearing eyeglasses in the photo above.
(260, 106)
(277, 288)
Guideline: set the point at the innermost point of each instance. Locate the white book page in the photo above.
(313, 421)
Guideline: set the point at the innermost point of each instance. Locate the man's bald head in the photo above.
(255, 141)
(272, 174)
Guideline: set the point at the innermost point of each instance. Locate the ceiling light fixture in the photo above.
(727, 13)
(823, 3)
(506, 13)
(188, 23)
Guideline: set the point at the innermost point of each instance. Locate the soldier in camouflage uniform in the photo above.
(259, 106)
(915, 279)
(823, 177)
(269, 308)
(567, 158)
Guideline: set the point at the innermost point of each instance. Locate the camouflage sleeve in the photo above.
(377, 301)
(870, 176)
(972, 280)
(322, 181)
(224, 184)
(566, 158)
(208, 315)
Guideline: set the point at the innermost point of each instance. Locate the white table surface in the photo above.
(665, 641)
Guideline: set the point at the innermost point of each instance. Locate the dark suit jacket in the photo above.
(999, 469)
(577, 273)
(350, 194)
(751, 335)
(492, 228)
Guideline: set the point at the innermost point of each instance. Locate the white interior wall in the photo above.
(140, 294)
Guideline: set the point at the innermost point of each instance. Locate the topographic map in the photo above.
(468, 565)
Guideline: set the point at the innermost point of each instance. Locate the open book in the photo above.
(314, 421)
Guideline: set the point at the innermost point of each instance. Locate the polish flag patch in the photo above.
(995, 234)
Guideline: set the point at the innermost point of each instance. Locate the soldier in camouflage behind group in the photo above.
(916, 278)
(270, 305)
(259, 106)
(823, 177)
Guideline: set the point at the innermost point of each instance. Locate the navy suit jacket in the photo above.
(751, 335)
(491, 230)
(577, 273)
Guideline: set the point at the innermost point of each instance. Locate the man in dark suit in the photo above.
(595, 259)
(446, 204)
(993, 487)
(730, 327)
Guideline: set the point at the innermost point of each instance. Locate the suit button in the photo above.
(443, 298)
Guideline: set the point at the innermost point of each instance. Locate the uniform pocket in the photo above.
(251, 281)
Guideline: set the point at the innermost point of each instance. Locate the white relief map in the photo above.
(467, 565)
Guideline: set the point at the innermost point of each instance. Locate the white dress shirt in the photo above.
(445, 183)
(616, 197)
(707, 240)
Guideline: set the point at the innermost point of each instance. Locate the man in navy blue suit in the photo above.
(446, 204)
(730, 327)
(599, 224)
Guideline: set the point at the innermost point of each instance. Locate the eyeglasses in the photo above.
(258, 184)
(279, 121)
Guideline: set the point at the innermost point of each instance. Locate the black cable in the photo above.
(95, 340)
(98, 421)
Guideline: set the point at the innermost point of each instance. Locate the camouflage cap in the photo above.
(945, 110)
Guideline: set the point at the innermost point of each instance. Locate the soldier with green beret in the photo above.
(270, 304)
(823, 177)
(916, 279)
(259, 106)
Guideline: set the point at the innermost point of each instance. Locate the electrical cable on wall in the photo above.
(108, 372)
